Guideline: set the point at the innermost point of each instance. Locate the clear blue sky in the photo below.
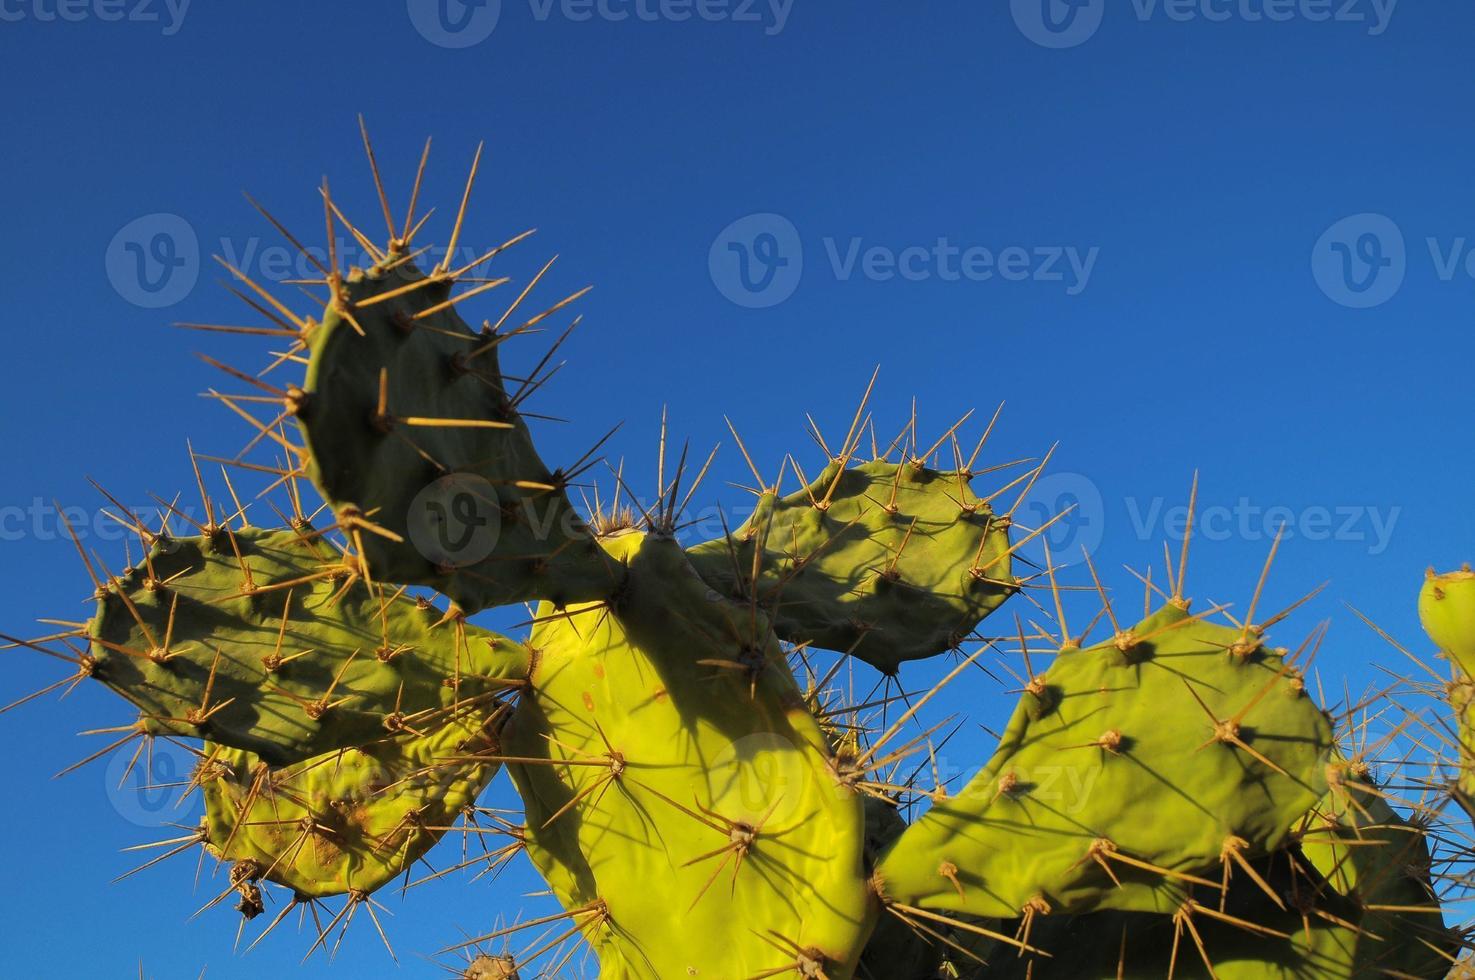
(1199, 163)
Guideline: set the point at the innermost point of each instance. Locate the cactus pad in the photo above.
(269, 642)
(1129, 770)
(1447, 612)
(894, 950)
(1352, 901)
(674, 726)
(418, 447)
(888, 561)
(352, 820)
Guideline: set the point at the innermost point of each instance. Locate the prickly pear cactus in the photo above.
(1130, 771)
(894, 949)
(351, 821)
(407, 416)
(1166, 802)
(1447, 610)
(272, 642)
(889, 562)
(1378, 865)
(668, 718)
(1352, 897)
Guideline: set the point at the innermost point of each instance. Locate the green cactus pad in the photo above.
(451, 491)
(894, 950)
(890, 562)
(1355, 852)
(352, 820)
(1272, 943)
(194, 636)
(1447, 612)
(1111, 768)
(682, 742)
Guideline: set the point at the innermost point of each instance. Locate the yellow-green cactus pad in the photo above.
(352, 820)
(1128, 771)
(891, 562)
(684, 797)
(270, 642)
(1351, 901)
(1447, 611)
(894, 950)
(415, 440)
(1247, 937)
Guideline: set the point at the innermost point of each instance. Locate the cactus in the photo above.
(1448, 617)
(272, 642)
(350, 821)
(889, 562)
(399, 395)
(1447, 611)
(1167, 801)
(1350, 895)
(894, 950)
(1153, 795)
(668, 719)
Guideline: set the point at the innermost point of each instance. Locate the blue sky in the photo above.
(1226, 236)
